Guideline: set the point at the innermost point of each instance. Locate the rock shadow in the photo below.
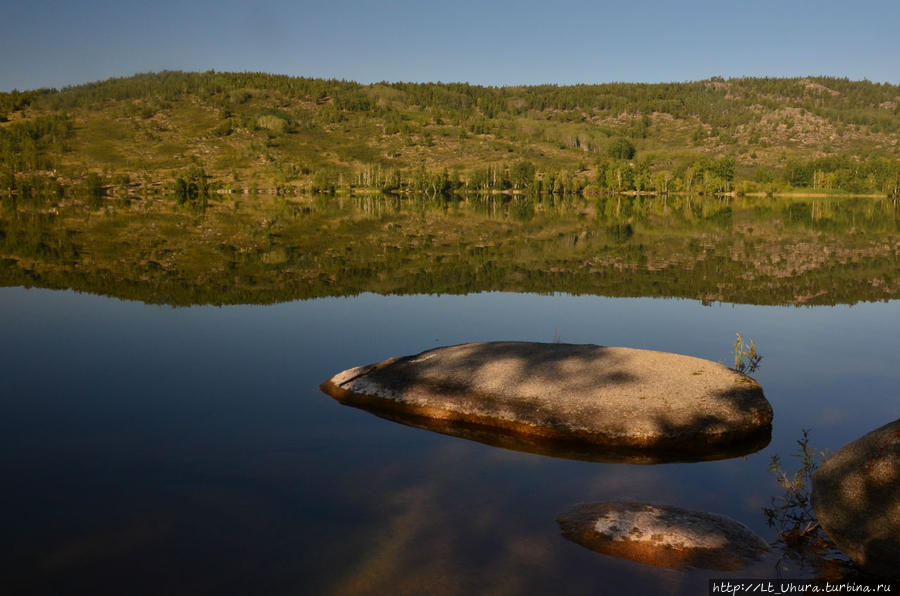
(575, 449)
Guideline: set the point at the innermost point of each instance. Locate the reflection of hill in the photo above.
(759, 251)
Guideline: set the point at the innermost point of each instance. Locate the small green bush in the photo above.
(746, 358)
(620, 148)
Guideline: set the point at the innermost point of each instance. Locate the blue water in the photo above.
(150, 449)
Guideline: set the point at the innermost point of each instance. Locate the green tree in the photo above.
(620, 148)
(724, 168)
(522, 174)
(323, 182)
(7, 181)
(798, 174)
(181, 191)
(94, 185)
(198, 182)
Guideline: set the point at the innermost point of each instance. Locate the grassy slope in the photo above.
(266, 130)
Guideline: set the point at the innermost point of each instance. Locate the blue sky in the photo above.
(57, 43)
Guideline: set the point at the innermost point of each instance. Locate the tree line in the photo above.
(717, 101)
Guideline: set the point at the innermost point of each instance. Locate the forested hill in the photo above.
(196, 132)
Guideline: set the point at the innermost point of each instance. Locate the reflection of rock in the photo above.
(574, 449)
(856, 498)
(664, 536)
(615, 397)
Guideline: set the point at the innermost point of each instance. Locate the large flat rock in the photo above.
(856, 498)
(663, 536)
(615, 397)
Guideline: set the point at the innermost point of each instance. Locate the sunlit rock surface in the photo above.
(663, 536)
(856, 498)
(614, 397)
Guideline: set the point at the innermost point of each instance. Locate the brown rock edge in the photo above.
(575, 449)
(856, 498)
(663, 536)
(615, 397)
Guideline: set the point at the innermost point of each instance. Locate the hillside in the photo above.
(139, 135)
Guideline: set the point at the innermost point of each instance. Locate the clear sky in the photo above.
(62, 42)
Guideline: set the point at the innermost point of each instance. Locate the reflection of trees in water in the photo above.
(269, 249)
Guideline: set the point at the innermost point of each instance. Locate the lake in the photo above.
(163, 432)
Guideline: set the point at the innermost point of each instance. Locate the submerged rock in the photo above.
(856, 498)
(663, 536)
(618, 398)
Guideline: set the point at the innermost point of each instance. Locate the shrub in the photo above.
(620, 148)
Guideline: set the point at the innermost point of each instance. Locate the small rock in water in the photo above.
(856, 498)
(663, 536)
(615, 397)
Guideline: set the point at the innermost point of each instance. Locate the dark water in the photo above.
(150, 449)
(185, 450)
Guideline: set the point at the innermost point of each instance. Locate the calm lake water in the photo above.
(151, 449)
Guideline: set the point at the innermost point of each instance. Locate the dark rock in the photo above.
(856, 498)
(663, 536)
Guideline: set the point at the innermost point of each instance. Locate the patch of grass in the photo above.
(746, 357)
